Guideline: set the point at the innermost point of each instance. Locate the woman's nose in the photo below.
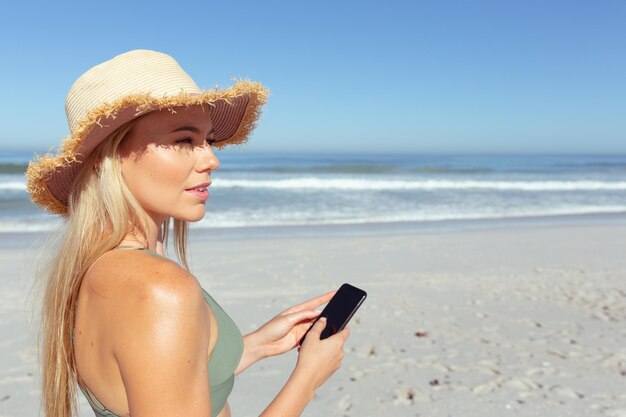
(207, 160)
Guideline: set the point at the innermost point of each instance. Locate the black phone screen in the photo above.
(341, 308)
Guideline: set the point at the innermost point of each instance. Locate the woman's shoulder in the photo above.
(128, 277)
(147, 313)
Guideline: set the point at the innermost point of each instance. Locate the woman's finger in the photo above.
(299, 316)
(312, 303)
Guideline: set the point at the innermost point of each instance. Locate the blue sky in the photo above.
(419, 76)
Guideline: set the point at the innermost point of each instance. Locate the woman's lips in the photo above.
(200, 194)
(200, 191)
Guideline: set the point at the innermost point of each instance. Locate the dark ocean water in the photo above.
(270, 189)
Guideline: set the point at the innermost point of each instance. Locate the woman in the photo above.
(132, 328)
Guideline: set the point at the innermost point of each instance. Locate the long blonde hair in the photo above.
(102, 211)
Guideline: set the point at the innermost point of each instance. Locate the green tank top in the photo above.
(222, 363)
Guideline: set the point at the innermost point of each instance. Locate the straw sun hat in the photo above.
(130, 85)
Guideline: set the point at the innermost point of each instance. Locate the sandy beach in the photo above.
(527, 320)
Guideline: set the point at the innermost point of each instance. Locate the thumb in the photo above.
(316, 329)
(319, 325)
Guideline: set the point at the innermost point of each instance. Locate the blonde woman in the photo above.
(132, 328)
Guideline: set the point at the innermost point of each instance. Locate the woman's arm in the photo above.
(162, 346)
(317, 361)
(252, 353)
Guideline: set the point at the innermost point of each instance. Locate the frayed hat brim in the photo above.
(50, 177)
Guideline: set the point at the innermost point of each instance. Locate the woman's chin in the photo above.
(192, 216)
(195, 219)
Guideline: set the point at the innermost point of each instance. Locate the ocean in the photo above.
(275, 189)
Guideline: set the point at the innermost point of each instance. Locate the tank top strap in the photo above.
(99, 409)
(139, 248)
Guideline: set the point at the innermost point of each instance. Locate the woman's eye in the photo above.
(185, 140)
(190, 141)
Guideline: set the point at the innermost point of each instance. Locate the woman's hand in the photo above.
(282, 333)
(319, 359)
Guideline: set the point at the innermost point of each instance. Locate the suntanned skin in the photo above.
(143, 331)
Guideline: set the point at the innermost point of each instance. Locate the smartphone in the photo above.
(340, 309)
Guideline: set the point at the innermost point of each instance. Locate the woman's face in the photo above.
(167, 162)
